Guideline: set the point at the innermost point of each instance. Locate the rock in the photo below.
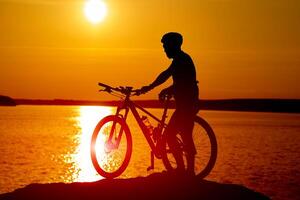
(158, 186)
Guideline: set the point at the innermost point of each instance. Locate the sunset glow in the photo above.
(75, 75)
(246, 49)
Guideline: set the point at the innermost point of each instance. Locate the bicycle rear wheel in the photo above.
(206, 147)
(111, 146)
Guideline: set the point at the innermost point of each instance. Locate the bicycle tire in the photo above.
(203, 129)
(103, 127)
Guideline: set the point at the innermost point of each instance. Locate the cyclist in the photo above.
(185, 91)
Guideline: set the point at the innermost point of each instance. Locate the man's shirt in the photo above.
(185, 86)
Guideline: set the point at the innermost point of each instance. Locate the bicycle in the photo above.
(111, 144)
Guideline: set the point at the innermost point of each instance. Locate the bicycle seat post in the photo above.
(166, 106)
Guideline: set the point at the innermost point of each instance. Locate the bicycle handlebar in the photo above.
(104, 85)
(128, 91)
(124, 90)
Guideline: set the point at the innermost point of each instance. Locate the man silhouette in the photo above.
(185, 91)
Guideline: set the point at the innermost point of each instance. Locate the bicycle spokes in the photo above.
(110, 147)
(205, 146)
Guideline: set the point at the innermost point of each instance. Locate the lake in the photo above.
(47, 144)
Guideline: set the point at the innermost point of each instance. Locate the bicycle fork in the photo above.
(118, 136)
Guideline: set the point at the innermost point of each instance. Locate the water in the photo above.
(46, 144)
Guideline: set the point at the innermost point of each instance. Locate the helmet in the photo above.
(172, 38)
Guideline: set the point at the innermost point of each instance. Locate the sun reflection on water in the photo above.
(87, 121)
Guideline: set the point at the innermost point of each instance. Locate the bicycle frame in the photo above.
(127, 105)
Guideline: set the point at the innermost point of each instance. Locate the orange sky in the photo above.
(242, 49)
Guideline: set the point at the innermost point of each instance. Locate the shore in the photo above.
(158, 186)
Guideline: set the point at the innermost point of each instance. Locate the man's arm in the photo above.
(162, 77)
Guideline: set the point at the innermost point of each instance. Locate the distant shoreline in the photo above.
(255, 105)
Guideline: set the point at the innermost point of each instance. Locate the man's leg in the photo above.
(187, 137)
(171, 132)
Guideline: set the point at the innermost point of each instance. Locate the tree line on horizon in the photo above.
(258, 105)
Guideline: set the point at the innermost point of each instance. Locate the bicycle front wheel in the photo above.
(206, 147)
(111, 146)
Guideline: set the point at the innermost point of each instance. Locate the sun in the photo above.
(95, 10)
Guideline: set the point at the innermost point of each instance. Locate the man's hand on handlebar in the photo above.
(145, 89)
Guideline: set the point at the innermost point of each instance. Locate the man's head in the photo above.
(172, 42)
